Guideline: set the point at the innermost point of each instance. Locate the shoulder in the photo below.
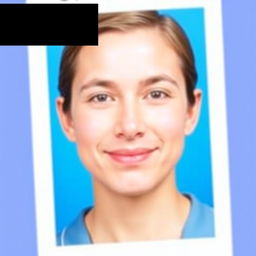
(200, 222)
(76, 233)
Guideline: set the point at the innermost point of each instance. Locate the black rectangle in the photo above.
(49, 24)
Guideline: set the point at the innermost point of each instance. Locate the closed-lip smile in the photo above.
(130, 156)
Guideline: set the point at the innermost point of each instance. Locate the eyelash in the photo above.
(92, 99)
(163, 95)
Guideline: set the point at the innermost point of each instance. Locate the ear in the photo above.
(65, 120)
(193, 112)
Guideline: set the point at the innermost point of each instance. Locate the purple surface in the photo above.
(240, 55)
(17, 215)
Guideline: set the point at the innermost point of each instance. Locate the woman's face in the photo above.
(129, 112)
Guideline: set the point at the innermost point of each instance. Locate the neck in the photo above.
(157, 215)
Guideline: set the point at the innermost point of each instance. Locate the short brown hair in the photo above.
(126, 21)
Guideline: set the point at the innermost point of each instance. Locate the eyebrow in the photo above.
(95, 82)
(159, 78)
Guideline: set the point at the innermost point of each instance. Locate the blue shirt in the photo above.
(199, 224)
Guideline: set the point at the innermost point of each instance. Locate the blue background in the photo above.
(17, 209)
(72, 184)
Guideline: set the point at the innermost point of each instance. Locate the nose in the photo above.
(130, 123)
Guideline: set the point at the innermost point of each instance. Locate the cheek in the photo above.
(90, 127)
(168, 122)
(170, 130)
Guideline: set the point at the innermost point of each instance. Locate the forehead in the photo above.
(126, 54)
(118, 42)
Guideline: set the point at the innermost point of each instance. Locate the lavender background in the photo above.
(17, 208)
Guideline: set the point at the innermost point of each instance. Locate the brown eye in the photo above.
(100, 98)
(157, 95)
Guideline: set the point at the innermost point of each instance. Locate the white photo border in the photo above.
(221, 244)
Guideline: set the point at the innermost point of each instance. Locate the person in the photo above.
(128, 104)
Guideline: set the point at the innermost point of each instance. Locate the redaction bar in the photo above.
(49, 24)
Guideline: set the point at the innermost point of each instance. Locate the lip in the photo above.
(131, 156)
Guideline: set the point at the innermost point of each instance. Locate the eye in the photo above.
(100, 98)
(157, 94)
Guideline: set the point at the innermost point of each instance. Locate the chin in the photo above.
(133, 193)
(133, 188)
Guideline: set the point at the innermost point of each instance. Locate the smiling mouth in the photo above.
(130, 156)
